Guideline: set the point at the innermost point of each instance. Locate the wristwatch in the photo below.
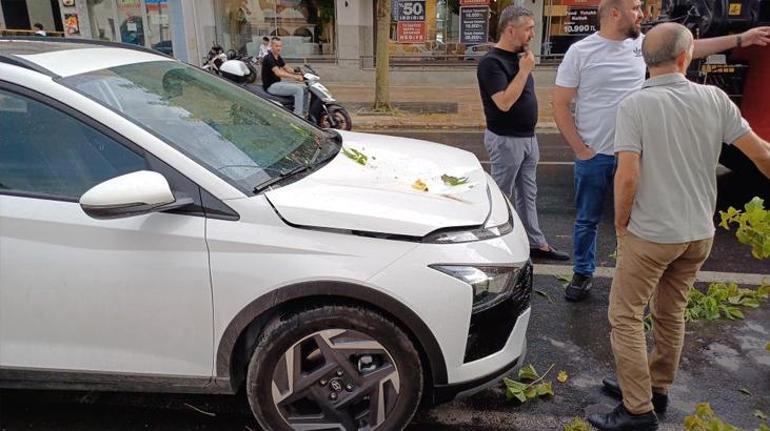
(739, 40)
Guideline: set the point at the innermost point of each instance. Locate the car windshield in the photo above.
(241, 137)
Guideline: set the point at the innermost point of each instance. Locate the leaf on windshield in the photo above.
(355, 155)
(420, 185)
(453, 181)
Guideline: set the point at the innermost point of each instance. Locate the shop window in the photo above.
(566, 22)
(305, 26)
(435, 35)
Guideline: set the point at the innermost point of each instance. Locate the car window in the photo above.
(46, 152)
(235, 134)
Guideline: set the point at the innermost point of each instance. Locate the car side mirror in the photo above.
(128, 195)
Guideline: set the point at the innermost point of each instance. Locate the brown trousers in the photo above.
(661, 275)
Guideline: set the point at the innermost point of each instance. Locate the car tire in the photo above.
(335, 365)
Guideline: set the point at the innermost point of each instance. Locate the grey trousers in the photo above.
(514, 167)
(295, 89)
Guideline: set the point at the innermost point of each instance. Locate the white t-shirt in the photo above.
(604, 72)
(263, 50)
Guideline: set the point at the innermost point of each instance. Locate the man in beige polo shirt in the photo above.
(668, 138)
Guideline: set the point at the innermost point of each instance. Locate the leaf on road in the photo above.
(528, 373)
(562, 377)
(563, 279)
(745, 391)
(577, 424)
(544, 294)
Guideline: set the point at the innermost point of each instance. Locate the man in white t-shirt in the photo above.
(264, 48)
(598, 72)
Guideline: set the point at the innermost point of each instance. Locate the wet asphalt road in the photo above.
(723, 362)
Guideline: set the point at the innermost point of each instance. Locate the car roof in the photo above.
(67, 57)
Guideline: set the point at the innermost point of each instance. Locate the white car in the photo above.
(162, 229)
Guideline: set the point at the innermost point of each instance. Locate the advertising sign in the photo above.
(581, 21)
(410, 32)
(411, 10)
(474, 24)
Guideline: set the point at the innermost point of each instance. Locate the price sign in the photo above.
(411, 10)
(581, 21)
(474, 24)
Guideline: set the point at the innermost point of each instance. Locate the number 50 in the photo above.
(413, 8)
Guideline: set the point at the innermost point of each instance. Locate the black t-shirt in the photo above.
(268, 63)
(495, 72)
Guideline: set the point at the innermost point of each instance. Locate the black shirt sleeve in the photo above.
(492, 78)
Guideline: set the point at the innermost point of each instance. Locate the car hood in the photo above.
(380, 195)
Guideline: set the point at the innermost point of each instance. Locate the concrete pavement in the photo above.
(427, 107)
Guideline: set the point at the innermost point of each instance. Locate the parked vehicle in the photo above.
(164, 230)
(164, 46)
(217, 56)
(475, 52)
(324, 110)
(742, 72)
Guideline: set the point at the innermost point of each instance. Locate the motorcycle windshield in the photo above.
(235, 134)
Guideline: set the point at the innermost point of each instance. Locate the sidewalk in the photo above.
(427, 107)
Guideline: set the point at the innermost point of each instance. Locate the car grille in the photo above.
(491, 328)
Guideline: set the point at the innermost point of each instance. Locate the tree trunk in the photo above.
(382, 71)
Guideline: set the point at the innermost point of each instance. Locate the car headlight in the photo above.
(471, 235)
(491, 284)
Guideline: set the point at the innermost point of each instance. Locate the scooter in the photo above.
(323, 111)
(216, 57)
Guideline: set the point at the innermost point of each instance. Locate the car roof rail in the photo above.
(73, 40)
(16, 61)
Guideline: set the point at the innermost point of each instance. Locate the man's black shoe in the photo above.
(578, 288)
(621, 420)
(659, 401)
(551, 254)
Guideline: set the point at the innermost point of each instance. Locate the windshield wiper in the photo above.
(286, 173)
(281, 176)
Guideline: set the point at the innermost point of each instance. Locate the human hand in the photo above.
(527, 61)
(756, 36)
(585, 153)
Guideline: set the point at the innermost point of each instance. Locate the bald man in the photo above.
(667, 139)
(598, 72)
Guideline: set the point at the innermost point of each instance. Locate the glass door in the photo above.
(131, 16)
(158, 26)
(103, 18)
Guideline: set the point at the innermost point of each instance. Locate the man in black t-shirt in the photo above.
(274, 69)
(510, 107)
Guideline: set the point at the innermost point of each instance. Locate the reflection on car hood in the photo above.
(381, 196)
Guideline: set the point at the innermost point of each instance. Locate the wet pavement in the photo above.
(723, 363)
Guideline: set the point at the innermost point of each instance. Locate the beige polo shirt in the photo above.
(678, 128)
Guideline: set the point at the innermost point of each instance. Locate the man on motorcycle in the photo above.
(274, 70)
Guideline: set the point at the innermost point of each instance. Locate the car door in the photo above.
(128, 295)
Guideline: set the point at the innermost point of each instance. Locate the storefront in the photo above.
(448, 30)
(443, 36)
(139, 22)
(568, 21)
(306, 27)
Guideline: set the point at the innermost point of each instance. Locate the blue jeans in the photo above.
(593, 180)
(297, 90)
